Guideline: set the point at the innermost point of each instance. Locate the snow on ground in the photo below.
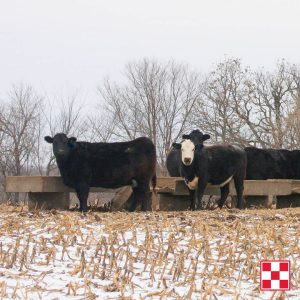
(160, 255)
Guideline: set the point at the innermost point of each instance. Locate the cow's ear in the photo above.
(71, 141)
(176, 145)
(186, 137)
(198, 147)
(206, 137)
(48, 139)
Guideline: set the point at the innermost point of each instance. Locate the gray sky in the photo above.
(63, 46)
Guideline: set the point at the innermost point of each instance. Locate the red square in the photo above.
(266, 284)
(284, 284)
(284, 266)
(275, 275)
(266, 266)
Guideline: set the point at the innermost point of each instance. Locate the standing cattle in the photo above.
(173, 161)
(109, 165)
(294, 163)
(216, 164)
(274, 164)
(265, 164)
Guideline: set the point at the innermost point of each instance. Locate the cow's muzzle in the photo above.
(187, 160)
(59, 152)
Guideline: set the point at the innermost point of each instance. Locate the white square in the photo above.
(275, 284)
(266, 275)
(284, 275)
(275, 265)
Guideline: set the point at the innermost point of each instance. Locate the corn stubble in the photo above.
(159, 255)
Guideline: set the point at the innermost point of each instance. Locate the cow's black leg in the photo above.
(141, 194)
(82, 191)
(239, 187)
(145, 200)
(224, 194)
(192, 198)
(200, 191)
(146, 196)
(133, 203)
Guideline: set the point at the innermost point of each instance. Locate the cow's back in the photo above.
(111, 165)
(295, 163)
(265, 164)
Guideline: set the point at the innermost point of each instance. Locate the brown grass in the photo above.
(176, 255)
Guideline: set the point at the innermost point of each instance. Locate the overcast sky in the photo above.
(63, 46)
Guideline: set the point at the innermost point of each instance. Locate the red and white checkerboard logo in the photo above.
(275, 275)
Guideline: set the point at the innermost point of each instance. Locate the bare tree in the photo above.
(267, 103)
(37, 161)
(293, 124)
(215, 112)
(249, 107)
(67, 117)
(156, 101)
(18, 123)
(3, 165)
(101, 127)
(19, 120)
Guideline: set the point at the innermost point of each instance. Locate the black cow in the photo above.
(265, 164)
(274, 164)
(110, 165)
(216, 164)
(294, 163)
(173, 161)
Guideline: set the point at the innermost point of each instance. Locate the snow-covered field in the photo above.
(161, 255)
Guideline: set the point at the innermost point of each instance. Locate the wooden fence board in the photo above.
(167, 188)
(43, 184)
(54, 184)
(251, 187)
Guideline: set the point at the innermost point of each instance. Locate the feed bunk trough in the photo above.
(49, 192)
(172, 194)
(257, 192)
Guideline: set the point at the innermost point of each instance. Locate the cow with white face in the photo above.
(187, 152)
(173, 160)
(187, 157)
(217, 164)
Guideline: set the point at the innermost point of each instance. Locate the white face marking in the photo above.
(187, 152)
(193, 184)
(226, 181)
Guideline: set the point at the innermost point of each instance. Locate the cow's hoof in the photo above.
(200, 208)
